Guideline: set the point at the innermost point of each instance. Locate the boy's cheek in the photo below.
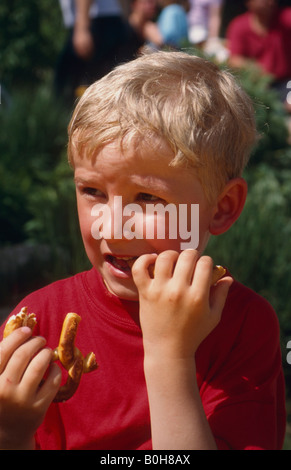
(177, 230)
(85, 217)
(85, 224)
(161, 233)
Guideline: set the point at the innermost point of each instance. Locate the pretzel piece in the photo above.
(217, 273)
(23, 318)
(71, 358)
(66, 352)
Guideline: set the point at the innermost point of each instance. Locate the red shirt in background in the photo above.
(272, 50)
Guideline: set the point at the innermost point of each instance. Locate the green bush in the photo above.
(54, 220)
(32, 142)
(31, 36)
(271, 118)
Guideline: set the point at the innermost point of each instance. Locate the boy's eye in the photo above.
(145, 197)
(92, 192)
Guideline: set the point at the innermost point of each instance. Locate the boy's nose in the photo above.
(117, 221)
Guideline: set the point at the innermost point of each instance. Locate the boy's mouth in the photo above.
(123, 263)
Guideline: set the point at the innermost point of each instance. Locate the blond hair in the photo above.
(198, 109)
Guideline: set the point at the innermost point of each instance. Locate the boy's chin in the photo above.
(122, 292)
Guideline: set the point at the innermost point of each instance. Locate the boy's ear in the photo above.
(229, 206)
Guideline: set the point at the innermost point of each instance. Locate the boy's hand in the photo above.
(178, 310)
(23, 399)
(178, 307)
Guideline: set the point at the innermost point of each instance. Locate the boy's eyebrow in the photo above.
(79, 179)
(146, 185)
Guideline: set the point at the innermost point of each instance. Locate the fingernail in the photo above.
(26, 329)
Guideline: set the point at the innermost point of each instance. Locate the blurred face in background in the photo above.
(261, 7)
(147, 8)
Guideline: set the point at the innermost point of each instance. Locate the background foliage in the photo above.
(31, 36)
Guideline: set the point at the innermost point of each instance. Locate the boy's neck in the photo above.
(131, 306)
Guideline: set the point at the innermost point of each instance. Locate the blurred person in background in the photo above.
(204, 19)
(142, 18)
(168, 26)
(99, 37)
(172, 22)
(262, 36)
(204, 23)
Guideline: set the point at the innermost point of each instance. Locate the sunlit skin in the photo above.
(142, 178)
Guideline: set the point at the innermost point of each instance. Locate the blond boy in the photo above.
(182, 364)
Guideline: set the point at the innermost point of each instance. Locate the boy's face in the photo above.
(117, 179)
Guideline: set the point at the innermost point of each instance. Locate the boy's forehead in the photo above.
(147, 165)
(148, 147)
(135, 148)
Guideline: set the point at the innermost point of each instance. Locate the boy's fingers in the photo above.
(9, 344)
(203, 274)
(165, 264)
(219, 293)
(218, 296)
(185, 266)
(21, 357)
(140, 268)
(51, 385)
(36, 369)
